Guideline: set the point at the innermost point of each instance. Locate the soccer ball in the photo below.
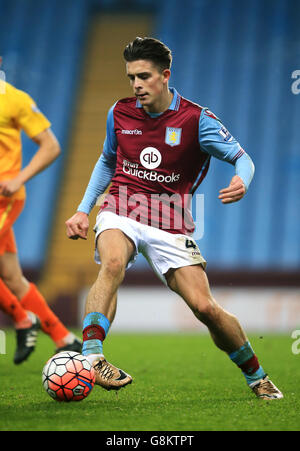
(68, 376)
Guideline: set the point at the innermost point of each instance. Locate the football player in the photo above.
(156, 153)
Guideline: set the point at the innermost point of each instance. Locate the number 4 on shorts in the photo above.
(190, 243)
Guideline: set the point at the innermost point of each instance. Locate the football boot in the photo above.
(26, 340)
(108, 376)
(265, 389)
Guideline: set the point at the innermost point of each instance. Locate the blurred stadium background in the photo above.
(237, 58)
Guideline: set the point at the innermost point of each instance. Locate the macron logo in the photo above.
(132, 132)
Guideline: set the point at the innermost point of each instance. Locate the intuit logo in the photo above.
(150, 159)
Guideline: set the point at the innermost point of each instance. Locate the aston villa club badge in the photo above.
(173, 136)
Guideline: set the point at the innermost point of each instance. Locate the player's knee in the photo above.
(14, 282)
(205, 310)
(114, 267)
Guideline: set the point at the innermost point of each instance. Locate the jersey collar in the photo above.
(174, 104)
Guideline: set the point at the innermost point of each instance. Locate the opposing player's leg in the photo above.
(17, 294)
(26, 323)
(191, 283)
(9, 211)
(115, 250)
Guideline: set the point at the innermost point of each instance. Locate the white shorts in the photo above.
(163, 250)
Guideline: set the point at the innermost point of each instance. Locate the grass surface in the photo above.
(181, 383)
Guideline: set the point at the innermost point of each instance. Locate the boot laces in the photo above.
(104, 369)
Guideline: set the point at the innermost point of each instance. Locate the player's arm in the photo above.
(239, 184)
(48, 151)
(78, 225)
(215, 139)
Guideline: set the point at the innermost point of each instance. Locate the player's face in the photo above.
(149, 84)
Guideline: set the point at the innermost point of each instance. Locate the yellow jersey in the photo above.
(18, 112)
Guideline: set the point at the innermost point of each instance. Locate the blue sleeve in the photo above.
(110, 143)
(104, 169)
(244, 168)
(216, 140)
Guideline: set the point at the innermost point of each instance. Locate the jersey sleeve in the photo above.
(28, 116)
(104, 169)
(110, 142)
(216, 140)
(99, 181)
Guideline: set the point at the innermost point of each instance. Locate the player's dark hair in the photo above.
(149, 49)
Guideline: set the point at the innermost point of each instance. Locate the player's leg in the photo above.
(12, 275)
(20, 299)
(26, 323)
(9, 211)
(10, 304)
(25, 296)
(30, 299)
(115, 250)
(191, 283)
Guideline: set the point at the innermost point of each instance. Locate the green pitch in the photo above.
(181, 383)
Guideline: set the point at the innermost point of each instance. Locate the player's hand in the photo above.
(78, 226)
(9, 187)
(234, 192)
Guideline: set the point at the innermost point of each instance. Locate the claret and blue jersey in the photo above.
(167, 153)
